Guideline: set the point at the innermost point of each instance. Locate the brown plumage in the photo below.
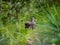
(30, 24)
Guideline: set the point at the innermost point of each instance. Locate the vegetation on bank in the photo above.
(14, 14)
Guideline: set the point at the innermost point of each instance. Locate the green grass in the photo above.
(47, 29)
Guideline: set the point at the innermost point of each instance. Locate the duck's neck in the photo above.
(32, 20)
